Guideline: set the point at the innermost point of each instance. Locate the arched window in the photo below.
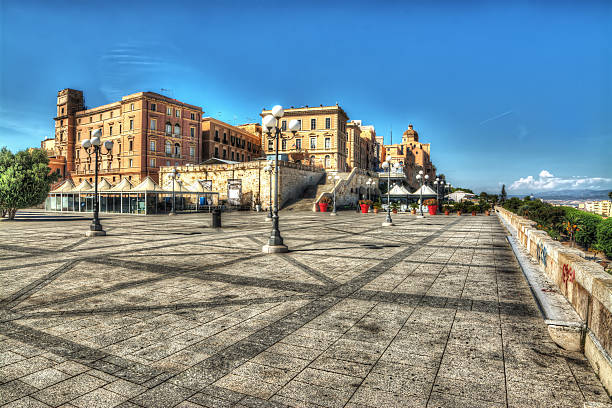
(327, 161)
(177, 149)
(177, 129)
(168, 148)
(312, 160)
(168, 128)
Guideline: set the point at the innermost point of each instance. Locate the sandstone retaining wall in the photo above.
(584, 284)
(349, 187)
(294, 179)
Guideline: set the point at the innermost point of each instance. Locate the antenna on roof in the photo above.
(167, 90)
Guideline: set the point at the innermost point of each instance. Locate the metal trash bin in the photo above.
(216, 218)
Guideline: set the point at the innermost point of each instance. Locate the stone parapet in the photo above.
(584, 283)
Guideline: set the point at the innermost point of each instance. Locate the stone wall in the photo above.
(294, 179)
(584, 284)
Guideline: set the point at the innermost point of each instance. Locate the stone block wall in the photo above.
(294, 179)
(584, 284)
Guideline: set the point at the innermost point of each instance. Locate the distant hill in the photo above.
(568, 195)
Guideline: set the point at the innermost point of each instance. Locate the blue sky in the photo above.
(507, 92)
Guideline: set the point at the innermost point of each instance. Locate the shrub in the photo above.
(587, 223)
(604, 237)
(430, 201)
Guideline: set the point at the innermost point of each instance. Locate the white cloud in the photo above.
(545, 174)
(547, 182)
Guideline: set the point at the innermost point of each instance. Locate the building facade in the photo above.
(321, 140)
(223, 141)
(148, 131)
(413, 155)
(361, 146)
(603, 207)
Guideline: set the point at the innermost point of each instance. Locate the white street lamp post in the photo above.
(173, 175)
(270, 123)
(95, 145)
(335, 178)
(422, 178)
(387, 166)
(369, 183)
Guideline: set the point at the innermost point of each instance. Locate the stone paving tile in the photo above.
(432, 312)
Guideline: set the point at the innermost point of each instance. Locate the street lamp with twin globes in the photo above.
(94, 145)
(422, 178)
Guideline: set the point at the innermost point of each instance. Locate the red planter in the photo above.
(473, 213)
(364, 208)
(433, 209)
(323, 207)
(446, 212)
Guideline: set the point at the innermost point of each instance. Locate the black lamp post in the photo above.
(94, 145)
(270, 123)
(173, 175)
(268, 169)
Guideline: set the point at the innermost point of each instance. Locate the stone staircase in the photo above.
(310, 195)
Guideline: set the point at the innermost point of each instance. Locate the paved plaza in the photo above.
(165, 311)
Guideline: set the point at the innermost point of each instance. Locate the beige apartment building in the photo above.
(148, 131)
(321, 140)
(234, 143)
(603, 207)
(361, 146)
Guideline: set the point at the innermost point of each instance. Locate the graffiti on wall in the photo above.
(542, 254)
(569, 275)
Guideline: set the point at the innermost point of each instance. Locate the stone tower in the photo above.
(69, 101)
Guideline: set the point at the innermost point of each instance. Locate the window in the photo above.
(313, 142)
(110, 114)
(176, 163)
(298, 144)
(177, 150)
(89, 133)
(284, 125)
(192, 132)
(300, 123)
(153, 124)
(77, 153)
(168, 128)
(177, 113)
(192, 151)
(79, 135)
(284, 145)
(152, 145)
(120, 127)
(232, 155)
(100, 116)
(270, 144)
(131, 163)
(242, 156)
(131, 124)
(192, 116)
(224, 154)
(224, 137)
(169, 111)
(167, 162)
(327, 161)
(152, 162)
(313, 124)
(177, 129)
(62, 122)
(168, 148)
(216, 152)
(216, 135)
(312, 161)
(131, 146)
(153, 107)
(131, 108)
(62, 111)
(110, 130)
(328, 143)
(327, 123)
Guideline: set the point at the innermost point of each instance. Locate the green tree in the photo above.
(610, 195)
(503, 194)
(25, 180)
